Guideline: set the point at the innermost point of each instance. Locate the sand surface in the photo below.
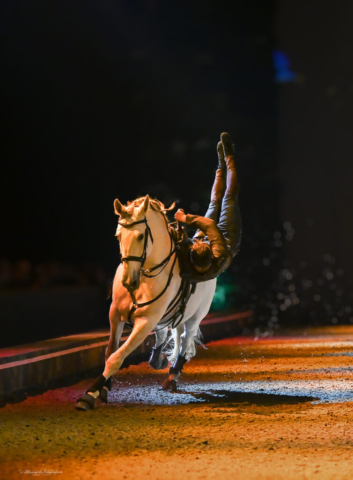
(270, 408)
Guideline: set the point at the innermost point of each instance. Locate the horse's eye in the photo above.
(140, 237)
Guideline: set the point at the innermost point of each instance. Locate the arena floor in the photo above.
(247, 408)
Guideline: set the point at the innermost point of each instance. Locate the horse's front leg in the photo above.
(142, 327)
(116, 330)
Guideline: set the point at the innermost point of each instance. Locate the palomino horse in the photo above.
(145, 286)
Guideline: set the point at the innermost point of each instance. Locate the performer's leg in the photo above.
(218, 188)
(230, 220)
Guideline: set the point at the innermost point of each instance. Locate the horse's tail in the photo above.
(174, 344)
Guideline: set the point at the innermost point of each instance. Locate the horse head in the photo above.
(133, 234)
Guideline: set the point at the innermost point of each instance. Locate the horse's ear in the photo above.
(119, 208)
(144, 206)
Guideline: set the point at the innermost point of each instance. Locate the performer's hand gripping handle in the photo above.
(180, 216)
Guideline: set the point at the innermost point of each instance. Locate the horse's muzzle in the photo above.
(131, 277)
(131, 285)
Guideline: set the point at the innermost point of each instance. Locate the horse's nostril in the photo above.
(131, 286)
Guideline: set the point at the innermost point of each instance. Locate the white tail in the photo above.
(172, 353)
(174, 344)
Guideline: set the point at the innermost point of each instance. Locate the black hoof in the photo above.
(86, 402)
(164, 363)
(103, 396)
(108, 383)
(169, 385)
(158, 360)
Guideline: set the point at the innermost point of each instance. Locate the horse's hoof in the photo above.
(103, 396)
(169, 385)
(164, 363)
(153, 364)
(158, 362)
(86, 402)
(108, 383)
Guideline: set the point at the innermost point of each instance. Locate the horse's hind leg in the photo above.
(158, 360)
(187, 350)
(187, 346)
(203, 296)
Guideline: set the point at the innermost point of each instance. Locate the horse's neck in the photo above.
(161, 239)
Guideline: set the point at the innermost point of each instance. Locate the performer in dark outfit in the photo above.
(214, 245)
(217, 241)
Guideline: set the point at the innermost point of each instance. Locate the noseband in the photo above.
(142, 259)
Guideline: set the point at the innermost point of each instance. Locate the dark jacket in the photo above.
(221, 255)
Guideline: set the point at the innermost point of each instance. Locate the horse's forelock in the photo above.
(154, 204)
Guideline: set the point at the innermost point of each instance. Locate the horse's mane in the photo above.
(154, 204)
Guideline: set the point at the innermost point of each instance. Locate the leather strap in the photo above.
(182, 296)
(178, 365)
(132, 258)
(98, 385)
(136, 305)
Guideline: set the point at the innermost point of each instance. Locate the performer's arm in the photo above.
(208, 227)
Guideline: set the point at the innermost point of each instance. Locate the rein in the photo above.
(184, 292)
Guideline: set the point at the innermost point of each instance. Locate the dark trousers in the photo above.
(224, 207)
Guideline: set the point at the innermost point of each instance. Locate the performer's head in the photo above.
(201, 256)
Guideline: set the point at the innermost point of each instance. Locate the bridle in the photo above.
(142, 259)
(176, 308)
(147, 273)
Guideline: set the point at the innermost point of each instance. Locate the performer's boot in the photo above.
(220, 153)
(218, 189)
(230, 220)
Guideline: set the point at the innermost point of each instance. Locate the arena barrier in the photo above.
(32, 369)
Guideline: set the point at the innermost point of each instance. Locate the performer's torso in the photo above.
(187, 269)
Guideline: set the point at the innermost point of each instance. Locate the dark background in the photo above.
(107, 99)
